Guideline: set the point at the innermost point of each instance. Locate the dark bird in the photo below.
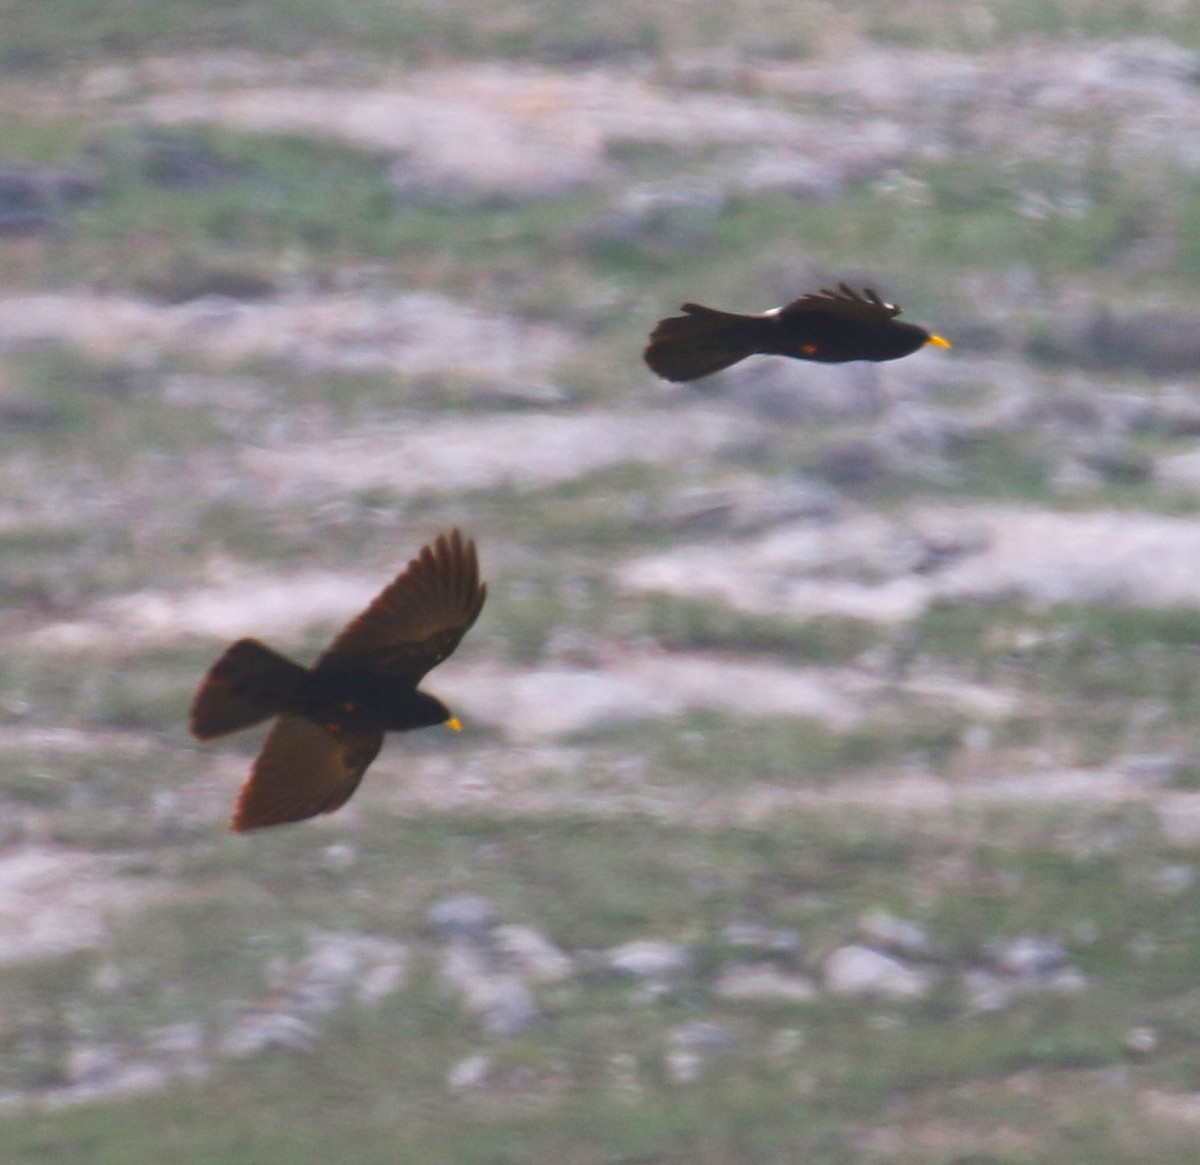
(332, 716)
(830, 327)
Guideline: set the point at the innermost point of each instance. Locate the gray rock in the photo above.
(1160, 343)
(339, 857)
(108, 979)
(531, 955)
(1154, 59)
(1175, 878)
(469, 1073)
(649, 959)
(569, 647)
(678, 213)
(1156, 768)
(792, 173)
(692, 1045)
(260, 1032)
(467, 967)
(1110, 414)
(745, 507)
(33, 198)
(1066, 979)
(183, 1040)
(785, 1044)
(919, 428)
(701, 1034)
(1028, 957)
(856, 463)
(1141, 1041)
(341, 968)
(1178, 414)
(987, 992)
(778, 389)
(510, 1011)
(1116, 461)
(562, 702)
(498, 999)
(859, 970)
(462, 914)
(1178, 472)
(1073, 476)
(789, 500)
(125, 1079)
(177, 158)
(883, 929)
(506, 172)
(761, 938)
(898, 186)
(28, 415)
(990, 991)
(93, 1064)
(697, 509)
(683, 1065)
(762, 982)
(526, 394)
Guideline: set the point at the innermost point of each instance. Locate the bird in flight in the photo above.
(830, 327)
(331, 717)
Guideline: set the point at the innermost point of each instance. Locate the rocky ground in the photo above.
(830, 731)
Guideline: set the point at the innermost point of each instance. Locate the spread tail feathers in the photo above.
(701, 342)
(249, 683)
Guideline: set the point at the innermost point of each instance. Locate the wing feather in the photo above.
(843, 299)
(419, 618)
(302, 770)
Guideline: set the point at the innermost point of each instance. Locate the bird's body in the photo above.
(357, 701)
(331, 718)
(829, 327)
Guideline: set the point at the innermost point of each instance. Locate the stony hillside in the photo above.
(829, 787)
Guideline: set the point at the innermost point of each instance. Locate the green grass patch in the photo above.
(1113, 680)
(249, 196)
(61, 33)
(718, 749)
(698, 624)
(593, 1084)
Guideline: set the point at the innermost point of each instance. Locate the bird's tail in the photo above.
(249, 683)
(701, 342)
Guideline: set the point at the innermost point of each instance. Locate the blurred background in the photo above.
(830, 790)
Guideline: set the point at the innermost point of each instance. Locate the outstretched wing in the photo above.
(301, 771)
(419, 619)
(844, 300)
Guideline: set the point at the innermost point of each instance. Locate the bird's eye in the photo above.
(809, 349)
(348, 706)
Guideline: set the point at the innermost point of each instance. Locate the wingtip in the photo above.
(238, 822)
(452, 541)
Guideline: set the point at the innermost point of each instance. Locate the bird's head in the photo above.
(430, 711)
(901, 339)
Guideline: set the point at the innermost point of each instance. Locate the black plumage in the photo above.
(829, 327)
(332, 717)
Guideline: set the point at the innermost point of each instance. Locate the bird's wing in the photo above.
(301, 771)
(844, 300)
(419, 618)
